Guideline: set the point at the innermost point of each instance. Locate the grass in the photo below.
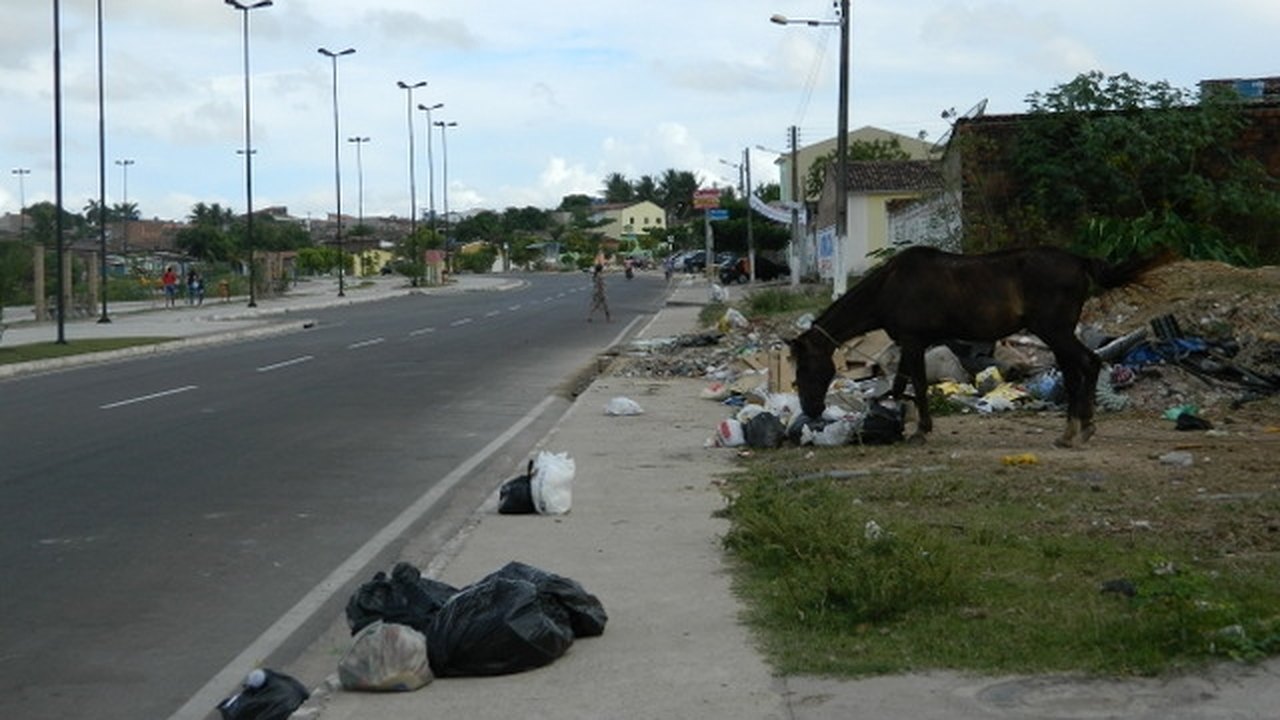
(53, 350)
(959, 566)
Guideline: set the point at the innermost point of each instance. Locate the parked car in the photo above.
(766, 269)
(695, 262)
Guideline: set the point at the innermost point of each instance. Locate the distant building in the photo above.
(627, 222)
(915, 148)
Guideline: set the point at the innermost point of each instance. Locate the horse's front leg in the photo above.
(911, 368)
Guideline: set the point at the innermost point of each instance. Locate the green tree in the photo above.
(617, 189)
(207, 235)
(1113, 165)
(676, 188)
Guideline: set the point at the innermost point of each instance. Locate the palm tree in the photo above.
(617, 189)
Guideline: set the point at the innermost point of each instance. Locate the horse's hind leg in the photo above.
(911, 367)
(1079, 368)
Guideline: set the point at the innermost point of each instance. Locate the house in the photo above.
(915, 148)
(873, 186)
(625, 223)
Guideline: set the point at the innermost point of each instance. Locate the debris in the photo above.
(386, 657)
(515, 497)
(265, 695)
(1020, 459)
(551, 483)
(1178, 458)
(623, 406)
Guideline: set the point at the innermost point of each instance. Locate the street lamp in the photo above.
(431, 164)
(22, 200)
(57, 170)
(337, 166)
(248, 144)
(840, 281)
(444, 149)
(795, 255)
(124, 165)
(413, 189)
(102, 177)
(359, 141)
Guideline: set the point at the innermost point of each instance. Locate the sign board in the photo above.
(704, 199)
(717, 214)
(826, 251)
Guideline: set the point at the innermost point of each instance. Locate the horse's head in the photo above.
(811, 354)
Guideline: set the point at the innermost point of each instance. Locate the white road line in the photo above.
(286, 363)
(366, 343)
(227, 679)
(514, 308)
(493, 313)
(459, 323)
(422, 331)
(144, 398)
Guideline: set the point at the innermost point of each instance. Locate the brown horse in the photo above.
(922, 296)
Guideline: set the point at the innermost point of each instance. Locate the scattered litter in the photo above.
(622, 406)
(1020, 459)
(1191, 421)
(404, 598)
(733, 318)
(764, 430)
(515, 497)
(872, 531)
(265, 695)
(1178, 458)
(729, 433)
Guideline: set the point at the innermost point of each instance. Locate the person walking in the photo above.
(598, 299)
(191, 286)
(170, 282)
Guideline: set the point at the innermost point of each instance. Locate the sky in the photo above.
(549, 97)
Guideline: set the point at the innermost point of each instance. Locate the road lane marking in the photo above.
(144, 398)
(514, 308)
(230, 677)
(493, 313)
(422, 331)
(286, 363)
(460, 323)
(366, 343)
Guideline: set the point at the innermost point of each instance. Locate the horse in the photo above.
(922, 296)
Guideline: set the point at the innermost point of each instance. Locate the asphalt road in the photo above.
(160, 516)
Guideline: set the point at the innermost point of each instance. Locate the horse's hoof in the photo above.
(916, 438)
(1087, 431)
(1065, 442)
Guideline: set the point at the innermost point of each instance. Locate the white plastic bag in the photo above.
(729, 433)
(831, 434)
(622, 406)
(385, 657)
(552, 483)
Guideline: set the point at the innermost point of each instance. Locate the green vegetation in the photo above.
(886, 569)
(52, 350)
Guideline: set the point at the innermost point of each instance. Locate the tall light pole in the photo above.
(359, 141)
(124, 166)
(57, 170)
(102, 177)
(444, 149)
(794, 257)
(413, 188)
(22, 200)
(248, 143)
(431, 164)
(840, 281)
(337, 164)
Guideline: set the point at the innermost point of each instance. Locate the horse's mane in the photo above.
(860, 295)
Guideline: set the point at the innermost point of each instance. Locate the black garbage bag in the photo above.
(266, 695)
(405, 598)
(515, 497)
(587, 617)
(796, 430)
(495, 627)
(884, 424)
(764, 430)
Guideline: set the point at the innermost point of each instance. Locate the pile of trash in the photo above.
(1201, 333)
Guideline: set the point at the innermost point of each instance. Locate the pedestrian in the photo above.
(170, 282)
(192, 278)
(598, 299)
(197, 288)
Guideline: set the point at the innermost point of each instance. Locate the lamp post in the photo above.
(248, 143)
(102, 177)
(337, 165)
(840, 281)
(57, 170)
(431, 164)
(22, 200)
(413, 190)
(444, 150)
(124, 165)
(359, 141)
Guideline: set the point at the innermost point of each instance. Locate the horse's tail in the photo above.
(1106, 275)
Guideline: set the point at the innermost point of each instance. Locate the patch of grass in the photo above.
(711, 313)
(783, 300)
(52, 350)
(987, 569)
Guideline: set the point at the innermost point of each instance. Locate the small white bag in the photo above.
(386, 657)
(552, 483)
